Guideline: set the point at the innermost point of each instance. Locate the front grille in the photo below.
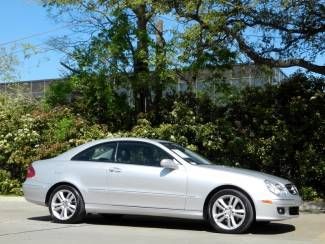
(292, 189)
(294, 210)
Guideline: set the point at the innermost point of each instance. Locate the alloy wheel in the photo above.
(64, 204)
(228, 212)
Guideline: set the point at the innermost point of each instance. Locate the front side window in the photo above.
(104, 152)
(140, 154)
(187, 155)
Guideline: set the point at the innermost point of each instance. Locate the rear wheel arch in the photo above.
(223, 187)
(49, 192)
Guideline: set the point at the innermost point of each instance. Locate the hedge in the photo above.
(275, 129)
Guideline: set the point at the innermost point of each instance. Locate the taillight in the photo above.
(30, 172)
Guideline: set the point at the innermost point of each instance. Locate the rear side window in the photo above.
(104, 152)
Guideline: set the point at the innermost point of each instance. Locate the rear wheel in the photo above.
(230, 211)
(66, 205)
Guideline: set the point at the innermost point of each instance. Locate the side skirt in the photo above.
(135, 210)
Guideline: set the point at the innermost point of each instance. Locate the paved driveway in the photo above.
(22, 222)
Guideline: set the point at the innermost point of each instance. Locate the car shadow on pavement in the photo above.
(272, 228)
(172, 223)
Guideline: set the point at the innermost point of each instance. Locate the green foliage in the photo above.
(282, 127)
(29, 132)
(63, 129)
(202, 50)
(128, 47)
(59, 92)
(9, 185)
(308, 193)
(8, 65)
(93, 96)
(212, 25)
(276, 129)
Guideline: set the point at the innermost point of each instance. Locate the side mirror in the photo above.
(168, 164)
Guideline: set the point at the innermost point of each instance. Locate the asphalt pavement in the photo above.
(23, 222)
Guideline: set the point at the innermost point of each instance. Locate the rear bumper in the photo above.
(35, 192)
(279, 209)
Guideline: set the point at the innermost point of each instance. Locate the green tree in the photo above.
(124, 45)
(59, 93)
(8, 65)
(130, 45)
(275, 33)
(201, 51)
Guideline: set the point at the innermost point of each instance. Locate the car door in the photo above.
(137, 179)
(90, 168)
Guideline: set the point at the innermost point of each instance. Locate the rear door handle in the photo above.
(115, 170)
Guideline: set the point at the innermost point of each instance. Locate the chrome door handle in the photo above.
(115, 170)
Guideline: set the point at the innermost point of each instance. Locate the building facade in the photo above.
(30, 88)
(239, 75)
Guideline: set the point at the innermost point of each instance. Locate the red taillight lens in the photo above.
(30, 172)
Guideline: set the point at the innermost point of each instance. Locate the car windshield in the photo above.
(187, 155)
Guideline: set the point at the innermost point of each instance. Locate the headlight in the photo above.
(292, 189)
(275, 187)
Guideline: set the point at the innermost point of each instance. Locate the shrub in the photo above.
(276, 129)
(30, 132)
(9, 185)
(59, 92)
(308, 193)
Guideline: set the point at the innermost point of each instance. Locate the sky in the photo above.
(27, 22)
(24, 18)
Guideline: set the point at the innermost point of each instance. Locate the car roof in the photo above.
(137, 139)
(70, 153)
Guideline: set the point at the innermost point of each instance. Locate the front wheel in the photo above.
(230, 211)
(66, 205)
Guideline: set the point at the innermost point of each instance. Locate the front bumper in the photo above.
(279, 209)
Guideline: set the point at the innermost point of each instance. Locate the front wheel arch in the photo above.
(223, 187)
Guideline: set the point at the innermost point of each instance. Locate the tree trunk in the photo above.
(141, 61)
(160, 66)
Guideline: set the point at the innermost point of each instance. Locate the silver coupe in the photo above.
(160, 178)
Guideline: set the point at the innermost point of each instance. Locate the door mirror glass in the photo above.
(168, 164)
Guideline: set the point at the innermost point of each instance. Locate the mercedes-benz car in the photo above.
(159, 178)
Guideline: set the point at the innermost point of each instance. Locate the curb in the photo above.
(9, 198)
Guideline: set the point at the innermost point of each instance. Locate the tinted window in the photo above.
(104, 152)
(184, 153)
(140, 153)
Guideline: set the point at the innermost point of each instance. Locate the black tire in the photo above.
(79, 213)
(249, 212)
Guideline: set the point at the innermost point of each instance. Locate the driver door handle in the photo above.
(115, 170)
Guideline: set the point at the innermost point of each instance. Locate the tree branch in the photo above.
(259, 59)
(250, 52)
(70, 68)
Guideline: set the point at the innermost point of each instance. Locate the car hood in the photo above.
(247, 172)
